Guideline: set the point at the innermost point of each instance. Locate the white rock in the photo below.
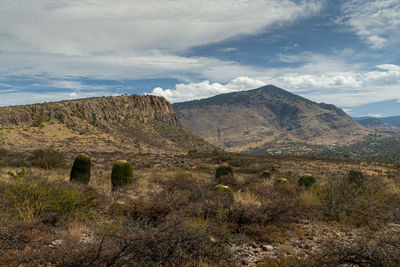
(268, 248)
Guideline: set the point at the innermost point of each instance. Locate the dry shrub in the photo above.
(369, 204)
(47, 158)
(278, 204)
(33, 198)
(370, 249)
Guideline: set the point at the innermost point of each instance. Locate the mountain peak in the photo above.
(240, 120)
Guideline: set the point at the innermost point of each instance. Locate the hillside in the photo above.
(135, 124)
(394, 121)
(384, 123)
(241, 120)
(377, 123)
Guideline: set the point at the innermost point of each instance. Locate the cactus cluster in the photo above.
(121, 172)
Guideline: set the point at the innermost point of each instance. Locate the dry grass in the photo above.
(76, 230)
(247, 198)
(165, 197)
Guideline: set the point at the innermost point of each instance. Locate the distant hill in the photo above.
(386, 123)
(394, 121)
(248, 119)
(135, 124)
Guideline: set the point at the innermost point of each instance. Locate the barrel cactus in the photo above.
(281, 181)
(265, 174)
(226, 192)
(224, 174)
(306, 180)
(121, 173)
(80, 171)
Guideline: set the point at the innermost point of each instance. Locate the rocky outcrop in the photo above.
(138, 124)
(97, 111)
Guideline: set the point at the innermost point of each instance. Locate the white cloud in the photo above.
(19, 98)
(229, 49)
(127, 39)
(84, 27)
(343, 88)
(131, 67)
(190, 91)
(376, 22)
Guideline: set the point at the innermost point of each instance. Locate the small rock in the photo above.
(244, 253)
(268, 248)
(257, 250)
(245, 262)
(254, 245)
(393, 225)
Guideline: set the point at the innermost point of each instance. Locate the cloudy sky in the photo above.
(343, 52)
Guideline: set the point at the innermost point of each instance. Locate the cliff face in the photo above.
(134, 124)
(97, 111)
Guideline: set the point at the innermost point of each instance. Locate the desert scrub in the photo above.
(80, 171)
(368, 205)
(306, 180)
(224, 174)
(121, 173)
(47, 158)
(356, 177)
(30, 198)
(39, 121)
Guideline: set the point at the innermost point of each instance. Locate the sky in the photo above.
(342, 52)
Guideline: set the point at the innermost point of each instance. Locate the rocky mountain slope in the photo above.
(145, 124)
(394, 121)
(242, 120)
(385, 123)
(378, 124)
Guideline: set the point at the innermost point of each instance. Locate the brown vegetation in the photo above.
(172, 215)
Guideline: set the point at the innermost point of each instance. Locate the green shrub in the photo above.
(280, 181)
(39, 122)
(356, 177)
(80, 171)
(367, 205)
(224, 173)
(121, 173)
(30, 198)
(47, 158)
(266, 174)
(306, 180)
